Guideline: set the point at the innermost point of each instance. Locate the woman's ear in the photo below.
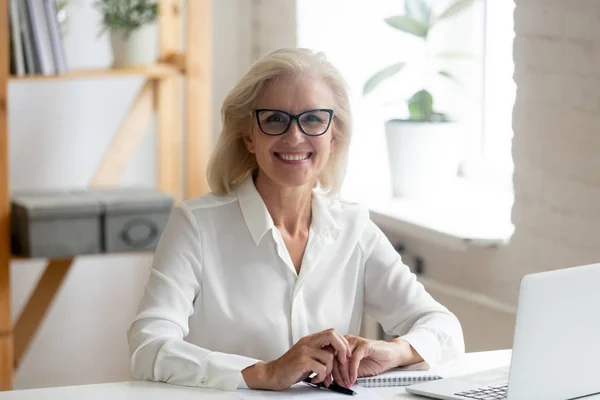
(332, 142)
(249, 143)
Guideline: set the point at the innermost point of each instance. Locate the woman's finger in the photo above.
(353, 341)
(326, 358)
(330, 337)
(344, 370)
(337, 376)
(319, 369)
(346, 342)
(357, 356)
(347, 338)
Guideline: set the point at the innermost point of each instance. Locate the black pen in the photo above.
(332, 387)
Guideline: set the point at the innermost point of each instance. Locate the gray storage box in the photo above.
(132, 219)
(68, 223)
(54, 224)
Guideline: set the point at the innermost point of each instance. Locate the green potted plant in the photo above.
(133, 29)
(423, 149)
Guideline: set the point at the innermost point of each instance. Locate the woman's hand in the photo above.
(373, 357)
(313, 353)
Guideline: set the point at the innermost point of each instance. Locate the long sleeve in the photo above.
(401, 304)
(157, 349)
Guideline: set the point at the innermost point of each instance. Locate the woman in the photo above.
(267, 277)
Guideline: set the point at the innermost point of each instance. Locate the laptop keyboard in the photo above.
(496, 392)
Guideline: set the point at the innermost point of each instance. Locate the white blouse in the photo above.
(223, 292)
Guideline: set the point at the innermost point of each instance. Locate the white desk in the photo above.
(472, 362)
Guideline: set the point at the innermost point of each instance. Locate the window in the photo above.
(356, 39)
(499, 91)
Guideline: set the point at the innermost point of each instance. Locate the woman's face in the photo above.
(293, 158)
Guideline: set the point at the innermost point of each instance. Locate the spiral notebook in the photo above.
(400, 377)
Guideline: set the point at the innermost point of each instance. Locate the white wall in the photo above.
(58, 132)
(274, 25)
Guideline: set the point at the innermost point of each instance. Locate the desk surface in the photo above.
(471, 362)
(159, 391)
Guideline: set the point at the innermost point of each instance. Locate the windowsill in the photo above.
(459, 217)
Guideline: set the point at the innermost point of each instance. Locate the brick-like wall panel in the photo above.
(556, 144)
(561, 158)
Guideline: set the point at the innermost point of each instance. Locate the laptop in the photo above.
(556, 344)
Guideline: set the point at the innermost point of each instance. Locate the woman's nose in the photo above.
(294, 133)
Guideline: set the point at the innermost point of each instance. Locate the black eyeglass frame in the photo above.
(293, 117)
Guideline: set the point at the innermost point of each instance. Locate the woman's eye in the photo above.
(274, 118)
(312, 118)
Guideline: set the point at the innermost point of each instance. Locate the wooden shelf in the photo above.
(162, 96)
(14, 257)
(156, 71)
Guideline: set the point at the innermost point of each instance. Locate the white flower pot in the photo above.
(424, 156)
(140, 48)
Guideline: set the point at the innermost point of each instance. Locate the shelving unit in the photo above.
(157, 71)
(162, 94)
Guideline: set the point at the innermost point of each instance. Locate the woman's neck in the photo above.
(289, 207)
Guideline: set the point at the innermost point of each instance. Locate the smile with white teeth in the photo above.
(293, 157)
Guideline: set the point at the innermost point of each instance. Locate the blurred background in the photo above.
(503, 100)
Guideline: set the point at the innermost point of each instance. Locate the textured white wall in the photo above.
(58, 132)
(555, 120)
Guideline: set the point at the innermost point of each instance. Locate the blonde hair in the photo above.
(231, 162)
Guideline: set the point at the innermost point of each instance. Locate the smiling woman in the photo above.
(240, 292)
(292, 150)
(273, 94)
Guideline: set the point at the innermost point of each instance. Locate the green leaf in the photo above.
(126, 16)
(418, 10)
(455, 8)
(451, 77)
(381, 76)
(420, 106)
(408, 25)
(455, 55)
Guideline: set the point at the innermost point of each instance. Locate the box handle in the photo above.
(134, 223)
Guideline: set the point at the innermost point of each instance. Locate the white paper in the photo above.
(303, 391)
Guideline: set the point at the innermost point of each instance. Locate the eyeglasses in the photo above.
(277, 122)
